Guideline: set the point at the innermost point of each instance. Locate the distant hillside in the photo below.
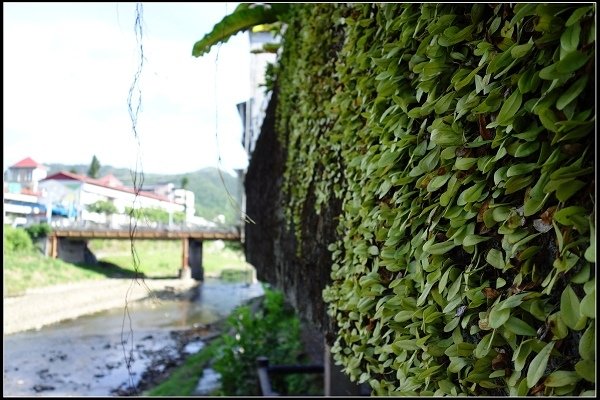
(211, 196)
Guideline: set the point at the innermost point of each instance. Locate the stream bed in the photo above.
(108, 353)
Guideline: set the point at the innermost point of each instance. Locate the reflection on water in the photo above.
(86, 356)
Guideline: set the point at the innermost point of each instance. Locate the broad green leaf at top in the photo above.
(244, 17)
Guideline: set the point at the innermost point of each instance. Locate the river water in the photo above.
(88, 356)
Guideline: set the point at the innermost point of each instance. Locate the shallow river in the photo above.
(87, 356)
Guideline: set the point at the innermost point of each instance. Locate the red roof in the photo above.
(28, 163)
(69, 176)
(111, 180)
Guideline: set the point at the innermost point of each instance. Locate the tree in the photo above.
(94, 168)
(106, 207)
(102, 207)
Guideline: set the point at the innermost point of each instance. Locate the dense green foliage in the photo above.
(16, 240)
(272, 332)
(210, 196)
(460, 140)
(40, 230)
(234, 353)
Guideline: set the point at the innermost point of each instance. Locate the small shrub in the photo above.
(16, 239)
(273, 332)
(38, 230)
(102, 207)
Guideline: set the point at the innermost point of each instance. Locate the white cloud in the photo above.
(68, 69)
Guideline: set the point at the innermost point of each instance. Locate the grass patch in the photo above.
(158, 259)
(162, 258)
(29, 269)
(235, 275)
(184, 379)
(225, 261)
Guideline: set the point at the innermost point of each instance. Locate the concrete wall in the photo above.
(270, 247)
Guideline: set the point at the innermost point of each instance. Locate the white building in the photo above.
(187, 199)
(253, 111)
(23, 177)
(179, 196)
(72, 193)
(21, 192)
(31, 196)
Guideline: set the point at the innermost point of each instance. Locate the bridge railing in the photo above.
(139, 226)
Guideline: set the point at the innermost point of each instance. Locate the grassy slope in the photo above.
(30, 269)
(162, 258)
(157, 259)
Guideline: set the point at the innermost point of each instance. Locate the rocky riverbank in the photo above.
(85, 354)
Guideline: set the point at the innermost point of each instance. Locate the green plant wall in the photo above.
(460, 139)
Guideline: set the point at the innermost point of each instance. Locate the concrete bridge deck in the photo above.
(70, 243)
(145, 233)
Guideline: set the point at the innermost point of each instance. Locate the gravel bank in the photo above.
(43, 306)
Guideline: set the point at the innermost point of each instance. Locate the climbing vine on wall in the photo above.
(460, 139)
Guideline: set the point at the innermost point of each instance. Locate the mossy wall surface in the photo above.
(452, 148)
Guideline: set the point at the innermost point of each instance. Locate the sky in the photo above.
(68, 68)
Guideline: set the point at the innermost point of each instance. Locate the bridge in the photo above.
(70, 243)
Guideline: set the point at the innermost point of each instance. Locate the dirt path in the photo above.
(42, 306)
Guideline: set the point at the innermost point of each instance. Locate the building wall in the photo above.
(37, 175)
(26, 177)
(186, 198)
(257, 105)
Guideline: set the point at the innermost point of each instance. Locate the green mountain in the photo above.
(209, 189)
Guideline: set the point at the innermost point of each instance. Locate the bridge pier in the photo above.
(53, 246)
(185, 272)
(191, 259)
(195, 259)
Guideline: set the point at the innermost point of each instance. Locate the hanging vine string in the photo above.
(134, 102)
